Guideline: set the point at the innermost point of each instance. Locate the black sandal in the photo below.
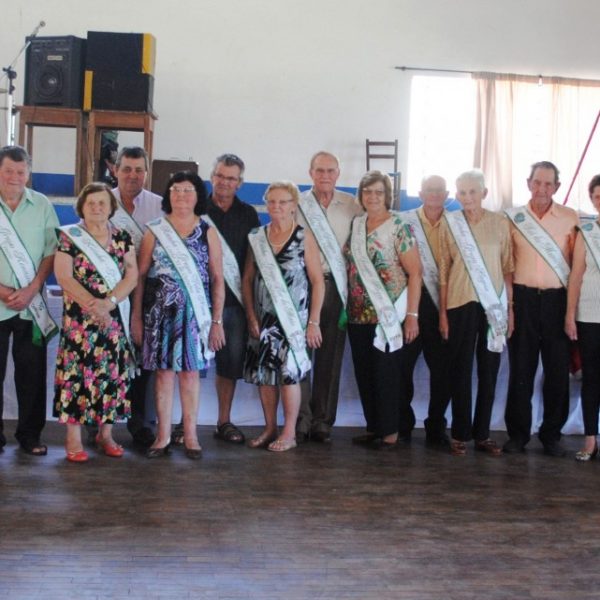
(177, 435)
(35, 449)
(228, 432)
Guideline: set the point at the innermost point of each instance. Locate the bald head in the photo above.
(434, 191)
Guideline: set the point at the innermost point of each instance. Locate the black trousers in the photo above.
(30, 380)
(378, 377)
(539, 329)
(468, 338)
(320, 389)
(137, 393)
(435, 352)
(588, 335)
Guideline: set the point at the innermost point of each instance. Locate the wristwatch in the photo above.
(114, 300)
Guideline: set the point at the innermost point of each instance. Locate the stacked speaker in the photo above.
(54, 71)
(108, 71)
(119, 73)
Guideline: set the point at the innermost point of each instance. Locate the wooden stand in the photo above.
(126, 121)
(48, 116)
(89, 128)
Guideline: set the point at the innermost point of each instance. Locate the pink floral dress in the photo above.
(92, 366)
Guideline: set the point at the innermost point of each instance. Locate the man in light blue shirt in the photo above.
(34, 220)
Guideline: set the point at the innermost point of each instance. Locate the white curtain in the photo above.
(522, 120)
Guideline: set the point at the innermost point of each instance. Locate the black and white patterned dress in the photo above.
(267, 358)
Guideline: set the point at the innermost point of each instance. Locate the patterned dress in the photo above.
(385, 244)
(266, 358)
(171, 334)
(93, 364)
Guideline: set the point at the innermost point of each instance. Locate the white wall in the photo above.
(275, 80)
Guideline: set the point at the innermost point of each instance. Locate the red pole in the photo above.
(582, 157)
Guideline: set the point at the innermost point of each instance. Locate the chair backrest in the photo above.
(386, 151)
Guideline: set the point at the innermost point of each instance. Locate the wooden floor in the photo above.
(317, 522)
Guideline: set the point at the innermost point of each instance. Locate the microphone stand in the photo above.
(11, 74)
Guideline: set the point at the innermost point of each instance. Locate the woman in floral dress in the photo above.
(392, 251)
(94, 361)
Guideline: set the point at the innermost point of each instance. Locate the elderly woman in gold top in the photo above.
(475, 258)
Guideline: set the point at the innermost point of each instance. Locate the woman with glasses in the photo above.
(283, 290)
(95, 266)
(178, 305)
(384, 289)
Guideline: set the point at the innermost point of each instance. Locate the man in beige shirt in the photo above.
(319, 402)
(540, 301)
(425, 223)
(476, 266)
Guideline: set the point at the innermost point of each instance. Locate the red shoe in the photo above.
(79, 456)
(112, 450)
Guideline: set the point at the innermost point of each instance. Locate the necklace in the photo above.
(289, 235)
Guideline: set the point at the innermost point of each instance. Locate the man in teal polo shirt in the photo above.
(28, 222)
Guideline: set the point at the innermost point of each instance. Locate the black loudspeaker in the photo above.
(119, 73)
(54, 71)
(163, 170)
(122, 53)
(111, 91)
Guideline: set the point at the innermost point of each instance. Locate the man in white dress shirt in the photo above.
(142, 206)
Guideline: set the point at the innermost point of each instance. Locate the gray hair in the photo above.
(472, 175)
(323, 153)
(230, 160)
(16, 154)
(132, 152)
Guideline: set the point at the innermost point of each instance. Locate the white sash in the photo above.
(431, 275)
(541, 241)
(591, 237)
(106, 267)
(185, 265)
(24, 269)
(231, 269)
(495, 307)
(123, 220)
(286, 310)
(389, 314)
(317, 221)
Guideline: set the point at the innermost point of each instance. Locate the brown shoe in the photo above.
(488, 446)
(457, 448)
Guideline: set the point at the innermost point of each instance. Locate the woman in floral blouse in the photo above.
(384, 283)
(94, 360)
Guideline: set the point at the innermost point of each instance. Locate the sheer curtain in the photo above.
(521, 120)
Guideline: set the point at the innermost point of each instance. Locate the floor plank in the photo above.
(336, 521)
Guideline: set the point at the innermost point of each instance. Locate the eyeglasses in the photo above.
(176, 190)
(378, 193)
(278, 202)
(226, 179)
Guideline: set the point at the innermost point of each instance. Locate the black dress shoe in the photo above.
(442, 441)
(321, 437)
(192, 453)
(554, 449)
(365, 439)
(380, 444)
(301, 437)
(143, 437)
(513, 447)
(158, 452)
